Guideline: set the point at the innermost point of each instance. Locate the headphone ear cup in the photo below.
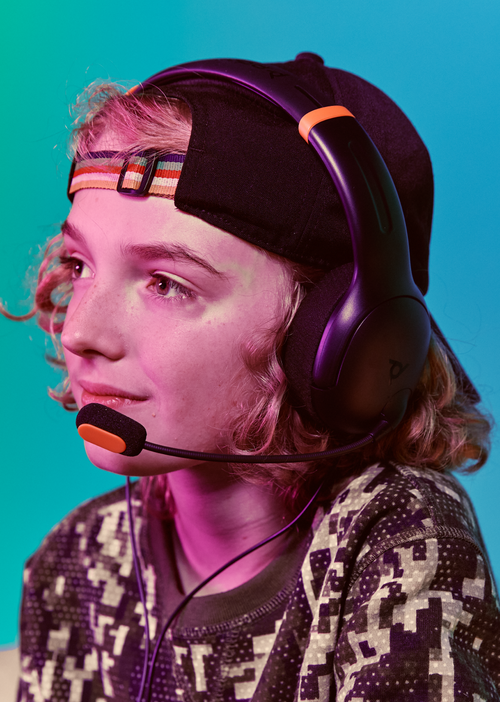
(306, 331)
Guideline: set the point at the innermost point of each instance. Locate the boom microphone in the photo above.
(116, 432)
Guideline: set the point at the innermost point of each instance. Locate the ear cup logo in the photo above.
(397, 369)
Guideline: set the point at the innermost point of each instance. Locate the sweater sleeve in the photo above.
(59, 659)
(421, 623)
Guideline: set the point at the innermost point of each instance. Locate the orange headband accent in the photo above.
(311, 119)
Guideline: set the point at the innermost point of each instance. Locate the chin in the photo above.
(145, 464)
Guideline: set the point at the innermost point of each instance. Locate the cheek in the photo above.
(197, 367)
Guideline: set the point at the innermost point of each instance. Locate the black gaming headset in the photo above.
(358, 343)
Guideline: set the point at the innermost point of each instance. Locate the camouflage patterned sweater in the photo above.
(388, 596)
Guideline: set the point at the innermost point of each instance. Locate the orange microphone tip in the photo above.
(102, 438)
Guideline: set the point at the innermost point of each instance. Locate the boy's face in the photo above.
(162, 304)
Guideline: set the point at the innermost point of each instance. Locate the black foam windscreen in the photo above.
(107, 419)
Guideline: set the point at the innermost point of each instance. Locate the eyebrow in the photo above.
(70, 230)
(152, 251)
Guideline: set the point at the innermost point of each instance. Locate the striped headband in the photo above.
(142, 174)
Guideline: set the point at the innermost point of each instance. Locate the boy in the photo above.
(181, 313)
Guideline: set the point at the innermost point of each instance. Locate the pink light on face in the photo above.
(162, 304)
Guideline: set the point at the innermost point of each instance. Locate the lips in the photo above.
(108, 395)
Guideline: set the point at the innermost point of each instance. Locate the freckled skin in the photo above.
(177, 347)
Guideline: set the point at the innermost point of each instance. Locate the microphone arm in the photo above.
(116, 432)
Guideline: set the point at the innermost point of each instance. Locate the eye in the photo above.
(168, 288)
(76, 266)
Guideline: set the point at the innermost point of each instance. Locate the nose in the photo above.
(91, 327)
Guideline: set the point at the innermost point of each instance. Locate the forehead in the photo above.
(114, 224)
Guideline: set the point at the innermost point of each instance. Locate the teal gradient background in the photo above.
(438, 60)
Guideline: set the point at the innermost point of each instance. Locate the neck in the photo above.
(217, 518)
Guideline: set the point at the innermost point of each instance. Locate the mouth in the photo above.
(108, 395)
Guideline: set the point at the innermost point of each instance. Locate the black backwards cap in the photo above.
(248, 171)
